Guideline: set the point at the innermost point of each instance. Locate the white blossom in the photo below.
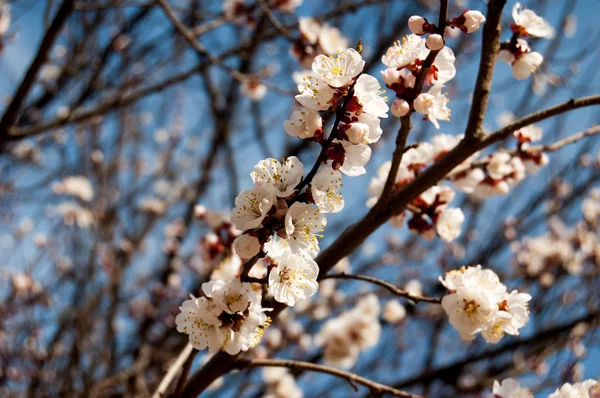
(394, 312)
(303, 222)
(473, 19)
(78, 186)
(399, 107)
(433, 105)
(404, 53)
(315, 94)
(575, 390)
(293, 279)
(367, 91)
(339, 70)
(469, 310)
(73, 213)
(499, 166)
(251, 207)
(309, 28)
(4, 17)
(277, 178)
(530, 23)
(415, 24)
(303, 123)
(325, 188)
(253, 89)
(230, 317)
(246, 246)
(529, 133)
(356, 157)
(449, 222)
(513, 314)
(331, 40)
(510, 388)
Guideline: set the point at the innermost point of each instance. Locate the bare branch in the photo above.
(352, 378)
(395, 290)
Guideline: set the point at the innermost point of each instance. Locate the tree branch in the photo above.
(351, 378)
(489, 51)
(11, 113)
(395, 290)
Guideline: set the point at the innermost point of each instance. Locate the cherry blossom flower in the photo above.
(523, 61)
(4, 18)
(331, 40)
(73, 213)
(510, 388)
(355, 158)
(325, 189)
(246, 246)
(355, 330)
(251, 208)
(230, 317)
(404, 53)
(400, 107)
(443, 69)
(394, 312)
(367, 91)
(499, 165)
(280, 383)
(303, 222)
(529, 133)
(304, 123)
(469, 21)
(433, 105)
(309, 29)
(469, 310)
(78, 186)
(277, 178)
(338, 71)
(253, 89)
(528, 23)
(315, 94)
(448, 224)
(513, 314)
(575, 390)
(293, 279)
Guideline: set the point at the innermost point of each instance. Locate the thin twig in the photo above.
(173, 371)
(395, 290)
(11, 113)
(351, 378)
(274, 21)
(190, 37)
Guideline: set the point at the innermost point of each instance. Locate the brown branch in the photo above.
(190, 37)
(352, 378)
(489, 51)
(574, 103)
(185, 357)
(274, 21)
(565, 141)
(395, 290)
(11, 113)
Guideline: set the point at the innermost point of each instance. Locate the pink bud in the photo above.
(391, 76)
(400, 108)
(435, 42)
(415, 24)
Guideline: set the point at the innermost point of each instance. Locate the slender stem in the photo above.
(395, 290)
(352, 378)
(332, 135)
(248, 266)
(11, 113)
(173, 370)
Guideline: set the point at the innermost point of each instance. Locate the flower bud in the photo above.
(435, 42)
(357, 133)
(416, 23)
(246, 246)
(472, 21)
(391, 76)
(423, 103)
(400, 108)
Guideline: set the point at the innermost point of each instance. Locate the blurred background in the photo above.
(93, 267)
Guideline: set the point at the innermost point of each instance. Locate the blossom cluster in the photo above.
(511, 388)
(497, 173)
(563, 249)
(430, 213)
(355, 330)
(517, 52)
(478, 302)
(230, 317)
(316, 39)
